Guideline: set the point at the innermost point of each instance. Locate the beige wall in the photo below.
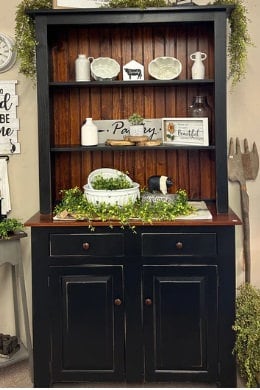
(243, 121)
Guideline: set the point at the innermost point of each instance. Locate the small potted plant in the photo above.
(136, 127)
(9, 227)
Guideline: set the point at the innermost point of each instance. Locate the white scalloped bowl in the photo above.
(112, 197)
(104, 68)
(165, 68)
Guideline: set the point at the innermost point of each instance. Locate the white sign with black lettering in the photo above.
(9, 124)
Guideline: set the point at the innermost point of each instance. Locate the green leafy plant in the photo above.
(247, 328)
(239, 39)
(137, 3)
(9, 226)
(25, 41)
(112, 183)
(135, 119)
(74, 204)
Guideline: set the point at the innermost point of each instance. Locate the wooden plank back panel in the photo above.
(191, 170)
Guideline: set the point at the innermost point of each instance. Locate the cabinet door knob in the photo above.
(179, 245)
(86, 245)
(148, 301)
(118, 302)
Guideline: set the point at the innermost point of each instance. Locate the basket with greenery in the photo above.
(247, 328)
(119, 182)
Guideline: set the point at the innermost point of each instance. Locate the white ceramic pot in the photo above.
(112, 197)
(136, 130)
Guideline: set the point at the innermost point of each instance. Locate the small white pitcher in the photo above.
(198, 68)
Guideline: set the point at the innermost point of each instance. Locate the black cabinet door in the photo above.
(88, 323)
(180, 322)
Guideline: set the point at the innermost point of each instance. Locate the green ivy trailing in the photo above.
(25, 41)
(74, 204)
(239, 39)
(247, 328)
(9, 226)
(137, 3)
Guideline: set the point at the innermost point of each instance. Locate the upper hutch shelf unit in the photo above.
(126, 34)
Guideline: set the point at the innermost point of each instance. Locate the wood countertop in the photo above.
(230, 218)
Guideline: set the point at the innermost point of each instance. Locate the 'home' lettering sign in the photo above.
(9, 124)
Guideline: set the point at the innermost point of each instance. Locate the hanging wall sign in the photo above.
(9, 124)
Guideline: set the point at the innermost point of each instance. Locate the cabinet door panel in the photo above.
(89, 337)
(180, 322)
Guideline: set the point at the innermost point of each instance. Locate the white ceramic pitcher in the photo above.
(198, 68)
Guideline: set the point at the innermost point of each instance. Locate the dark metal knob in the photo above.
(86, 246)
(148, 301)
(179, 245)
(117, 302)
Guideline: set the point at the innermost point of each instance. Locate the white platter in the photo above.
(164, 68)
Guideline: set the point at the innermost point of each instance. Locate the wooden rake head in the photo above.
(242, 166)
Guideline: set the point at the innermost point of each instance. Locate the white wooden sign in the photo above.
(133, 71)
(9, 124)
(119, 128)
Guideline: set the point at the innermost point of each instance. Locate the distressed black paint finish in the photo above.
(134, 318)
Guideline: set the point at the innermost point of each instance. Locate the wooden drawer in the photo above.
(176, 244)
(87, 245)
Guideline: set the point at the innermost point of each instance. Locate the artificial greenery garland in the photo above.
(75, 205)
(247, 328)
(239, 39)
(25, 41)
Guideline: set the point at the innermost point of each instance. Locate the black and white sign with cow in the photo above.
(133, 71)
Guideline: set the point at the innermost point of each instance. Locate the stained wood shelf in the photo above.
(134, 83)
(103, 147)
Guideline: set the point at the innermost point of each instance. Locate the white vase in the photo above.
(136, 130)
(89, 133)
(198, 68)
(82, 68)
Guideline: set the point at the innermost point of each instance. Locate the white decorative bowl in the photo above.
(112, 197)
(106, 173)
(104, 68)
(165, 68)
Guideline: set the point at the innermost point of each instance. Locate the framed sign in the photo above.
(185, 131)
(78, 3)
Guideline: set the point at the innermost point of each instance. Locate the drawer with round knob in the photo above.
(95, 244)
(176, 244)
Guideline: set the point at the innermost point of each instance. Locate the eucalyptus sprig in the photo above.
(74, 204)
(25, 40)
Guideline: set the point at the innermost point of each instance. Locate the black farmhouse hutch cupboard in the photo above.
(110, 305)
